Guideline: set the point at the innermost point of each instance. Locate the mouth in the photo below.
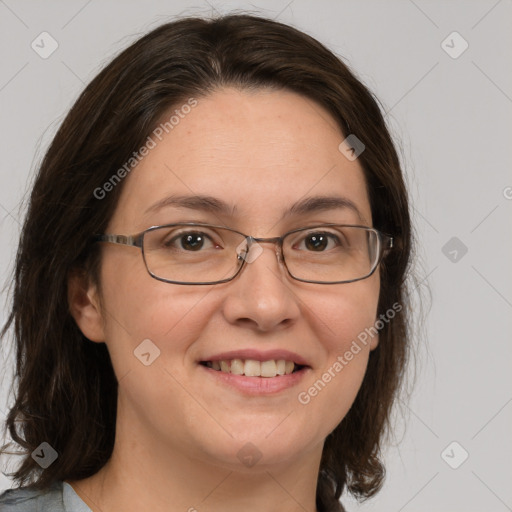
(253, 368)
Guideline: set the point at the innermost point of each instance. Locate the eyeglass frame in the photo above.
(386, 243)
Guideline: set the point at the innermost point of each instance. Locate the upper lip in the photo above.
(258, 355)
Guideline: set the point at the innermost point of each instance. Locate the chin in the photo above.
(255, 451)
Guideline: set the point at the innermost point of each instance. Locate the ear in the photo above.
(374, 343)
(84, 305)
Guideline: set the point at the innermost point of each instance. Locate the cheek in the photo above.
(342, 319)
(157, 312)
(138, 308)
(343, 313)
(151, 326)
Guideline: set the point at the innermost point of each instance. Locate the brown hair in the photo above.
(66, 389)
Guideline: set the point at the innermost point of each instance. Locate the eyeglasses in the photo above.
(193, 253)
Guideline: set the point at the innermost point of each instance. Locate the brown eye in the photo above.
(319, 242)
(190, 241)
(316, 242)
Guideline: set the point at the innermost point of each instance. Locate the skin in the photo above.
(178, 432)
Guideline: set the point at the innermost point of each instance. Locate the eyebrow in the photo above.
(214, 205)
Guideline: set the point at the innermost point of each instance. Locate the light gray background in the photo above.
(453, 118)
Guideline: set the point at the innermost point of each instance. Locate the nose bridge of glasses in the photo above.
(254, 242)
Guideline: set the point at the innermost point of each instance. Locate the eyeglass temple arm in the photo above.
(388, 242)
(135, 241)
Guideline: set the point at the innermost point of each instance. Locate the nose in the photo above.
(261, 296)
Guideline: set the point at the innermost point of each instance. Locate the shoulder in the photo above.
(26, 499)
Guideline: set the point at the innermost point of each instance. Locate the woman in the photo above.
(209, 291)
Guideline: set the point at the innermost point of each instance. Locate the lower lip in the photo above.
(258, 385)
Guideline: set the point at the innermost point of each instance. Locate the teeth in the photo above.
(281, 367)
(269, 369)
(237, 366)
(253, 368)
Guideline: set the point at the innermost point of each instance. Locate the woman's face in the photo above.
(259, 153)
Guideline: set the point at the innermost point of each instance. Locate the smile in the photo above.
(263, 379)
(253, 368)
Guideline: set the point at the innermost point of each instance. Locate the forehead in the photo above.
(258, 152)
